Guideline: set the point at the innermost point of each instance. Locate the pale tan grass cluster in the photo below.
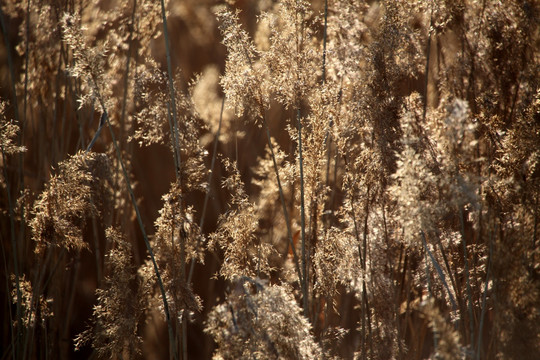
(270, 179)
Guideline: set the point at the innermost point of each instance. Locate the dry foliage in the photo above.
(270, 179)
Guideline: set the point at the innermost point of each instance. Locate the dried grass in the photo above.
(283, 179)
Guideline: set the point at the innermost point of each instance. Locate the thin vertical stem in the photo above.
(97, 249)
(323, 79)
(15, 261)
(484, 297)
(535, 227)
(467, 275)
(301, 277)
(210, 176)
(426, 71)
(439, 271)
(128, 65)
(364, 267)
(176, 148)
(22, 123)
(172, 95)
(145, 237)
(302, 217)
(26, 57)
(430, 291)
(362, 254)
(37, 290)
(71, 297)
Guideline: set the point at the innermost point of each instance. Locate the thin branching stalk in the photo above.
(24, 119)
(305, 270)
(302, 217)
(178, 163)
(128, 63)
(467, 275)
(71, 299)
(171, 110)
(535, 227)
(357, 235)
(97, 251)
(453, 281)
(26, 58)
(45, 265)
(176, 156)
(426, 71)
(172, 96)
(210, 176)
(447, 266)
(430, 289)
(362, 254)
(323, 77)
(58, 86)
(301, 277)
(439, 271)
(37, 290)
(484, 296)
(145, 236)
(15, 339)
(336, 156)
(10, 301)
(364, 268)
(98, 132)
(212, 164)
(397, 301)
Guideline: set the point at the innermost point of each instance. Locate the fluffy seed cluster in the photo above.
(78, 191)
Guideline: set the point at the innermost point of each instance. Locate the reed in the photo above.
(270, 179)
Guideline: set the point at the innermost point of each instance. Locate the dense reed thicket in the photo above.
(270, 179)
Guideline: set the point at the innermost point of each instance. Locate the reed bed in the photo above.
(270, 179)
